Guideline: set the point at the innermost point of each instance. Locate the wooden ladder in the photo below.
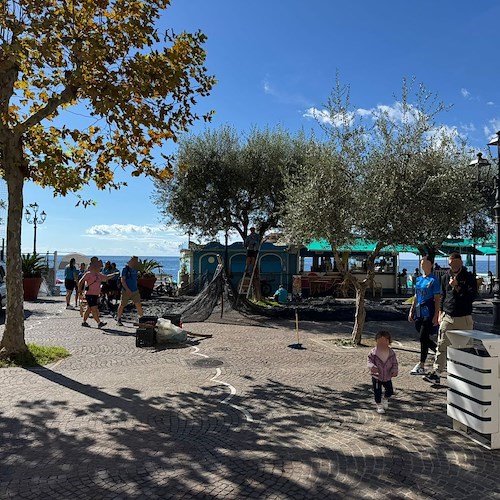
(246, 283)
(249, 281)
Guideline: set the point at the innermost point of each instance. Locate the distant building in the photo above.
(277, 263)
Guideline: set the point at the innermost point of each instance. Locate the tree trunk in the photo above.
(360, 315)
(13, 341)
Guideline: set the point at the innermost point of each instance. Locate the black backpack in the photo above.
(128, 273)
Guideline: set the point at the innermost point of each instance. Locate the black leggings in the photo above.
(426, 329)
(377, 389)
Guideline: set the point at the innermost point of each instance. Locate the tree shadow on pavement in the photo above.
(276, 440)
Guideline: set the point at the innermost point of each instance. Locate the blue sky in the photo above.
(276, 62)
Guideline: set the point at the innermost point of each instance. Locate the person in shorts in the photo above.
(252, 243)
(91, 281)
(70, 274)
(130, 290)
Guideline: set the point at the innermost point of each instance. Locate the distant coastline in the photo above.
(170, 265)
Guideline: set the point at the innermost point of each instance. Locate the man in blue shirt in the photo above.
(130, 290)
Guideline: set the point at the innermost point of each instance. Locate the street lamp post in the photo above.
(35, 219)
(496, 208)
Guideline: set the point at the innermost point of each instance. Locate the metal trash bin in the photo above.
(473, 398)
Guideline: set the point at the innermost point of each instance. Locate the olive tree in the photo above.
(399, 178)
(225, 182)
(108, 57)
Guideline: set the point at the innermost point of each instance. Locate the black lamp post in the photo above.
(496, 208)
(35, 219)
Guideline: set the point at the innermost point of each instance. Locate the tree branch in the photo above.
(67, 95)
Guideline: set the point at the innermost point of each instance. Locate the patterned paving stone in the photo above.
(239, 415)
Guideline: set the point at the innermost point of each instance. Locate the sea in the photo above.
(483, 265)
(170, 265)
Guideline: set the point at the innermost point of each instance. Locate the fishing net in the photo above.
(218, 302)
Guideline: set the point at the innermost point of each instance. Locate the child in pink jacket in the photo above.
(383, 366)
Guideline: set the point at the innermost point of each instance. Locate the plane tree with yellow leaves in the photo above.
(110, 58)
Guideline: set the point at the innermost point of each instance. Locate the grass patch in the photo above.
(266, 303)
(37, 355)
(344, 342)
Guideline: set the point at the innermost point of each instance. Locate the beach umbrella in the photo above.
(79, 258)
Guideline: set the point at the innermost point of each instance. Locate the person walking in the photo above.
(424, 311)
(70, 276)
(92, 280)
(130, 290)
(458, 292)
(383, 366)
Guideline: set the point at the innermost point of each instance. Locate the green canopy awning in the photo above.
(359, 246)
(461, 245)
(487, 250)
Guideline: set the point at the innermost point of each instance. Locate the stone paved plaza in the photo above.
(238, 415)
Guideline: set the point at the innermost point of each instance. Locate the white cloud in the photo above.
(124, 239)
(468, 127)
(491, 129)
(324, 116)
(282, 96)
(490, 103)
(268, 89)
(364, 112)
(396, 112)
(465, 93)
(122, 230)
(442, 134)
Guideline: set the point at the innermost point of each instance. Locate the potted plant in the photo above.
(32, 266)
(146, 277)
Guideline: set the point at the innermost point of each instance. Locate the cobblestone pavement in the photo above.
(238, 415)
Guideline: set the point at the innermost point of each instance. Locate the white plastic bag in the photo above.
(166, 332)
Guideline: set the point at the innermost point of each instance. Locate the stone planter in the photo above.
(146, 286)
(31, 287)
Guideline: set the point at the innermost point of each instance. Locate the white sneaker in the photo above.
(418, 370)
(385, 403)
(380, 408)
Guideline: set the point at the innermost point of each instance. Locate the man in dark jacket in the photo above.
(458, 292)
